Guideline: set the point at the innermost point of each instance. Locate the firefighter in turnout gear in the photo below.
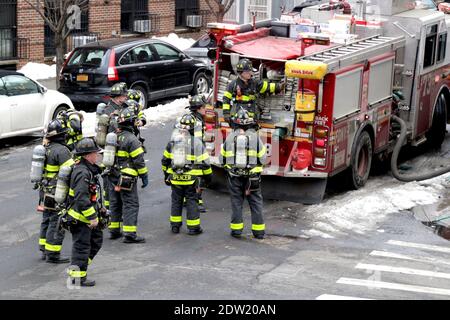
(185, 160)
(73, 121)
(108, 123)
(243, 155)
(83, 212)
(129, 165)
(242, 92)
(57, 156)
(135, 96)
(197, 104)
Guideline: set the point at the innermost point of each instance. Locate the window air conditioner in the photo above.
(194, 21)
(82, 40)
(142, 26)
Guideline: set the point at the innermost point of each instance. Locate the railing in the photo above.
(14, 48)
(77, 39)
(148, 23)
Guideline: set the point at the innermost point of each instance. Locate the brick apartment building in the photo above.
(24, 36)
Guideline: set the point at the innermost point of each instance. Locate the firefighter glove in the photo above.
(167, 179)
(144, 181)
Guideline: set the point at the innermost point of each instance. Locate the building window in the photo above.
(185, 8)
(132, 10)
(233, 14)
(261, 8)
(8, 14)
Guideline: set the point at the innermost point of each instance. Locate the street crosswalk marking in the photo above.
(386, 254)
(419, 246)
(417, 272)
(393, 286)
(337, 297)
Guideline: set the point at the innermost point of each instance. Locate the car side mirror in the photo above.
(181, 56)
(212, 54)
(43, 89)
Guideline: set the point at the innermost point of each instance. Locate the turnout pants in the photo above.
(43, 233)
(53, 237)
(124, 206)
(86, 244)
(192, 213)
(106, 192)
(237, 187)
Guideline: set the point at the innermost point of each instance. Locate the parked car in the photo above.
(153, 67)
(199, 50)
(26, 106)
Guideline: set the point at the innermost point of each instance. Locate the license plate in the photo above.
(82, 77)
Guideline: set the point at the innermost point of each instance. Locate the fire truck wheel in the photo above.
(437, 132)
(361, 161)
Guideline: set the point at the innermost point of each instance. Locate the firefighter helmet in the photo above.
(127, 116)
(196, 102)
(119, 89)
(242, 118)
(56, 129)
(132, 104)
(134, 95)
(86, 146)
(187, 122)
(245, 65)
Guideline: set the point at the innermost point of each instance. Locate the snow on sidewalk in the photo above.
(38, 71)
(180, 43)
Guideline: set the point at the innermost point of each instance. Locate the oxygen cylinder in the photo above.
(241, 152)
(37, 164)
(100, 109)
(62, 184)
(102, 130)
(179, 151)
(109, 154)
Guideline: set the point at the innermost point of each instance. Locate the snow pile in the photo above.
(180, 43)
(155, 115)
(38, 71)
(360, 211)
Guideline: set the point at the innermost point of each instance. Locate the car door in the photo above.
(27, 103)
(5, 111)
(177, 70)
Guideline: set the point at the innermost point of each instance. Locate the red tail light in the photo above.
(65, 63)
(320, 146)
(301, 159)
(113, 75)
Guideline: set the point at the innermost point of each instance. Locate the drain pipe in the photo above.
(396, 152)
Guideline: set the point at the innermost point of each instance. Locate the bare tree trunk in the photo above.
(60, 51)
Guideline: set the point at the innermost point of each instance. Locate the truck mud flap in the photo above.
(306, 191)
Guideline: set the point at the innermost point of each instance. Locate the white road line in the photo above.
(419, 246)
(393, 286)
(386, 254)
(417, 272)
(336, 297)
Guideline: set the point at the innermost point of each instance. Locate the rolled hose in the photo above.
(396, 152)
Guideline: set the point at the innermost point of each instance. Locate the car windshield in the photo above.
(425, 4)
(205, 42)
(87, 57)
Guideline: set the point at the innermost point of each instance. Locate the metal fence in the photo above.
(130, 10)
(12, 48)
(77, 39)
(185, 8)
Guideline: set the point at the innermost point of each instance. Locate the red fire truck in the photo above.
(349, 74)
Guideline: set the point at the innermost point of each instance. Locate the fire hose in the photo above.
(396, 152)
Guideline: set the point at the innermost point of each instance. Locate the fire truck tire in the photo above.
(436, 135)
(361, 161)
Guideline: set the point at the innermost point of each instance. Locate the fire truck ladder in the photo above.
(356, 52)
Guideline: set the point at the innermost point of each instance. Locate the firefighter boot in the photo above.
(84, 282)
(113, 235)
(43, 256)
(175, 229)
(194, 232)
(258, 236)
(134, 239)
(57, 259)
(236, 234)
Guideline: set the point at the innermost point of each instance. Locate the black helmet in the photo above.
(119, 89)
(196, 102)
(134, 95)
(187, 122)
(242, 118)
(56, 129)
(127, 116)
(132, 104)
(86, 146)
(245, 65)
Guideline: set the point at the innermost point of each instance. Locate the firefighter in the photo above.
(243, 91)
(129, 165)
(185, 160)
(135, 95)
(84, 224)
(140, 119)
(243, 155)
(57, 156)
(73, 121)
(196, 105)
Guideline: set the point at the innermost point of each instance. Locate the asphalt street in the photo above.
(400, 259)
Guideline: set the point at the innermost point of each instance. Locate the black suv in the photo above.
(153, 67)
